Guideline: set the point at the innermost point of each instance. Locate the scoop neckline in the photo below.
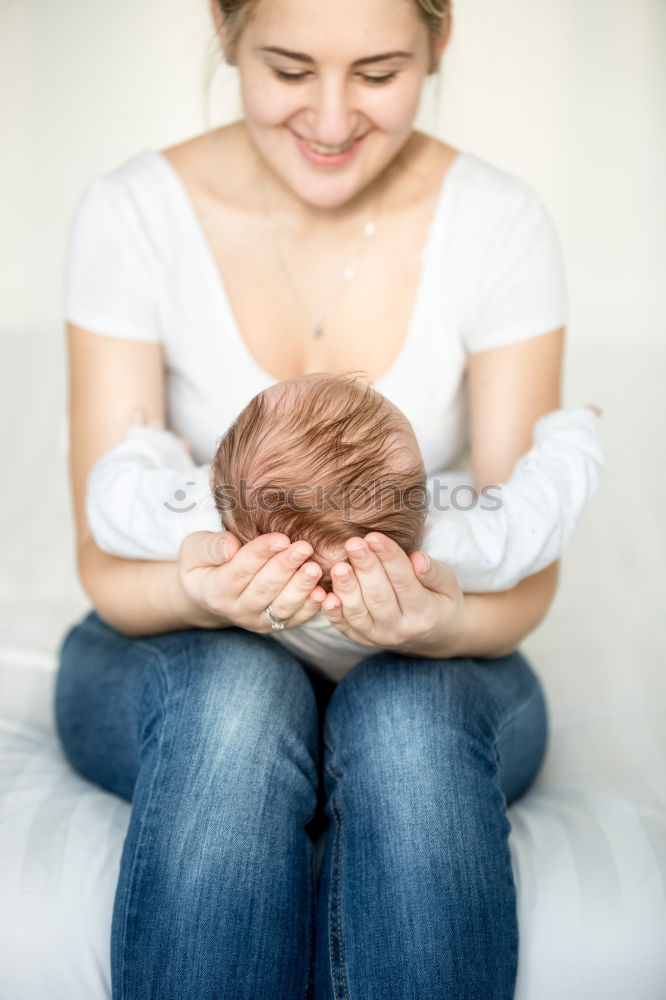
(221, 289)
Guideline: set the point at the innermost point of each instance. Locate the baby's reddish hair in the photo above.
(321, 459)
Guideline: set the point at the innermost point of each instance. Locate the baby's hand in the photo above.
(593, 406)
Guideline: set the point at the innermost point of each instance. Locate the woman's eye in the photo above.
(379, 79)
(288, 76)
(296, 77)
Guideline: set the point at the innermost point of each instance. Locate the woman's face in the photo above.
(312, 71)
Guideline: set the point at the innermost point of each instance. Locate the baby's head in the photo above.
(321, 457)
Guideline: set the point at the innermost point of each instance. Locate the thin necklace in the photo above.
(316, 319)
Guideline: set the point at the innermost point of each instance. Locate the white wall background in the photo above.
(569, 94)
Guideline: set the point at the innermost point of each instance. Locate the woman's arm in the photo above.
(108, 378)
(509, 389)
(138, 597)
(494, 624)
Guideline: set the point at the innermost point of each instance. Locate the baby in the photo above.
(324, 457)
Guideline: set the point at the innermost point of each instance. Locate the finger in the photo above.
(376, 588)
(253, 558)
(334, 613)
(331, 603)
(333, 610)
(435, 575)
(296, 601)
(316, 599)
(400, 570)
(207, 548)
(270, 579)
(347, 589)
(210, 548)
(309, 609)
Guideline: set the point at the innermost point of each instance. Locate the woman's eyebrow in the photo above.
(301, 57)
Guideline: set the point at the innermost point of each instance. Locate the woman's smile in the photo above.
(317, 155)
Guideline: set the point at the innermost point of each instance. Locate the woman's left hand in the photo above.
(394, 601)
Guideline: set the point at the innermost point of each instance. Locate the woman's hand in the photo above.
(390, 600)
(229, 583)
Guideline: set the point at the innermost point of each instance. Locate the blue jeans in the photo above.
(236, 755)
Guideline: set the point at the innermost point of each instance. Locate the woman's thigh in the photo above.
(416, 892)
(212, 735)
(115, 692)
(499, 701)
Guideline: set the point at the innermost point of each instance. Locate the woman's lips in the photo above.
(321, 159)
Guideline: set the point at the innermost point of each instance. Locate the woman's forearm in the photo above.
(139, 597)
(495, 624)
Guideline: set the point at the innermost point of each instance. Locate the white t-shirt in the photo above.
(139, 266)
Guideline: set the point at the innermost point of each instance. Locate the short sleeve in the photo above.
(109, 276)
(521, 289)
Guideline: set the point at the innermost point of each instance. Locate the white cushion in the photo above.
(588, 845)
(60, 844)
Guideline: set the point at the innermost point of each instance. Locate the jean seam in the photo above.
(309, 986)
(132, 876)
(334, 912)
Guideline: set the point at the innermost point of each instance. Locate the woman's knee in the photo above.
(234, 687)
(403, 705)
(404, 725)
(210, 698)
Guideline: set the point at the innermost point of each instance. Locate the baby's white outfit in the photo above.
(139, 267)
(146, 494)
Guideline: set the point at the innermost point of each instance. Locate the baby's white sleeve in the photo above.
(519, 527)
(146, 494)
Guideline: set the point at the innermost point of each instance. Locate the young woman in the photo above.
(320, 232)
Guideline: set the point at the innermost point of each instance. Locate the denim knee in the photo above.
(208, 700)
(235, 694)
(408, 705)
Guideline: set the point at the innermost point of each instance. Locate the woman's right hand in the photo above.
(237, 585)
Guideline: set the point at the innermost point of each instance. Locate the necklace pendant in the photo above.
(317, 331)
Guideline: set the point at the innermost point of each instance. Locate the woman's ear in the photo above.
(442, 41)
(216, 15)
(220, 29)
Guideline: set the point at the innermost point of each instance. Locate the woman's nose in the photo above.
(334, 121)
